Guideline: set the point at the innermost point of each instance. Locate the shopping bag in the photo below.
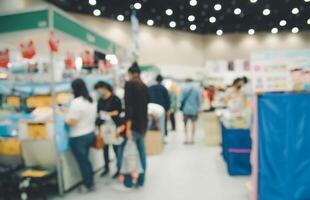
(131, 159)
(98, 142)
(108, 131)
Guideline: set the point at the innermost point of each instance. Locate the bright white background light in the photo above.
(266, 12)
(274, 30)
(150, 22)
(97, 12)
(251, 31)
(307, 0)
(137, 6)
(193, 2)
(193, 27)
(191, 18)
(172, 24)
(169, 12)
(282, 22)
(308, 21)
(295, 30)
(237, 11)
(295, 11)
(219, 32)
(217, 7)
(92, 2)
(212, 19)
(120, 18)
(253, 1)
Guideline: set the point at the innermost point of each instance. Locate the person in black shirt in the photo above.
(110, 105)
(136, 102)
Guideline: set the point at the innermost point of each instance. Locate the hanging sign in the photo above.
(53, 42)
(28, 49)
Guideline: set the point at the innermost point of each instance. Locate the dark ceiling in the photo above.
(251, 16)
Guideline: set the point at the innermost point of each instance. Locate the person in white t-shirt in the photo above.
(81, 119)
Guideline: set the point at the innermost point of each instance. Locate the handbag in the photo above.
(98, 142)
(185, 100)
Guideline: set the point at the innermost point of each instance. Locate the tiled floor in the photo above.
(179, 173)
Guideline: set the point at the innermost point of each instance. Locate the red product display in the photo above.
(70, 61)
(53, 42)
(28, 49)
(4, 58)
(88, 58)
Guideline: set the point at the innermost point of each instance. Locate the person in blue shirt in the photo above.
(160, 95)
(190, 103)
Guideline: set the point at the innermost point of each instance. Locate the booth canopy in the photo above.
(51, 18)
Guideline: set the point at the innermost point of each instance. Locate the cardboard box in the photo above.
(153, 142)
(212, 128)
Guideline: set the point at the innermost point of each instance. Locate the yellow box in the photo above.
(63, 97)
(14, 101)
(39, 101)
(37, 131)
(10, 146)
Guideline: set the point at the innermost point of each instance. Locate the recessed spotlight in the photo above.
(237, 11)
(295, 11)
(92, 2)
(212, 19)
(274, 30)
(253, 1)
(137, 6)
(120, 18)
(217, 7)
(251, 31)
(219, 32)
(97, 12)
(172, 24)
(266, 12)
(169, 12)
(308, 21)
(283, 23)
(193, 2)
(295, 30)
(150, 22)
(193, 27)
(191, 18)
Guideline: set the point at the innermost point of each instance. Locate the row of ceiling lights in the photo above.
(212, 19)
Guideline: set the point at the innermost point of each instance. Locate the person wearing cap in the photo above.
(109, 107)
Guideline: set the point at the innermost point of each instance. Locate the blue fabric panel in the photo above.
(284, 138)
(62, 135)
(238, 164)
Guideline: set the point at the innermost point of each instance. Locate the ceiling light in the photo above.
(219, 32)
(120, 18)
(253, 1)
(274, 30)
(92, 2)
(137, 6)
(172, 24)
(193, 27)
(295, 30)
(217, 7)
(193, 2)
(150, 22)
(97, 12)
(212, 19)
(295, 11)
(307, 0)
(191, 18)
(251, 31)
(266, 12)
(308, 21)
(169, 12)
(282, 22)
(237, 11)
